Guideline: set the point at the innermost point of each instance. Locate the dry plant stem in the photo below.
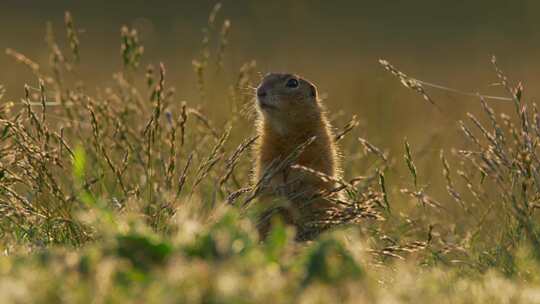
(215, 155)
(351, 125)
(232, 161)
(274, 168)
(183, 176)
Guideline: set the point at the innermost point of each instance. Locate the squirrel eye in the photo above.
(292, 83)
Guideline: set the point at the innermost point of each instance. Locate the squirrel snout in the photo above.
(261, 92)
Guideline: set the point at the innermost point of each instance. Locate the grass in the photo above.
(132, 195)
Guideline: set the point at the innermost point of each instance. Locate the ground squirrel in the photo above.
(290, 113)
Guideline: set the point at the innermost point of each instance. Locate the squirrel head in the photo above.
(287, 100)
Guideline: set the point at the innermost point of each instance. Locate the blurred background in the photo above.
(336, 44)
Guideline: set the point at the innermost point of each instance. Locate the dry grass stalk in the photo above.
(211, 160)
(274, 168)
(410, 163)
(223, 42)
(368, 147)
(183, 176)
(72, 36)
(353, 123)
(232, 161)
(407, 81)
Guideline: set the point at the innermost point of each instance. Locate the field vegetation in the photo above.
(128, 193)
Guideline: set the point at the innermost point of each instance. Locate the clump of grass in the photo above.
(499, 172)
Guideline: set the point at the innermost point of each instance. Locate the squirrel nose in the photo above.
(261, 92)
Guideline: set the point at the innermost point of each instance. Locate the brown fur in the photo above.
(288, 117)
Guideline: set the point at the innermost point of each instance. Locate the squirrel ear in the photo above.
(313, 91)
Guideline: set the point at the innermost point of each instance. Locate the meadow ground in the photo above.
(128, 193)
